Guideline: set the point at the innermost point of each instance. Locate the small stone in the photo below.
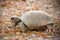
(6, 38)
(33, 35)
(40, 38)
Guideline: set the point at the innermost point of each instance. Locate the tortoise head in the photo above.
(16, 20)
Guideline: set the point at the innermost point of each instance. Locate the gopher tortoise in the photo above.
(32, 20)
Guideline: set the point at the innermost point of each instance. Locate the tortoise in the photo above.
(32, 20)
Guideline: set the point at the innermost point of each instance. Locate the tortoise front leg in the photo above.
(21, 27)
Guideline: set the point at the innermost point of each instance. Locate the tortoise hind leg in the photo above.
(49, 29)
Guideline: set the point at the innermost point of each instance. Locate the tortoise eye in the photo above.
(12, 18)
